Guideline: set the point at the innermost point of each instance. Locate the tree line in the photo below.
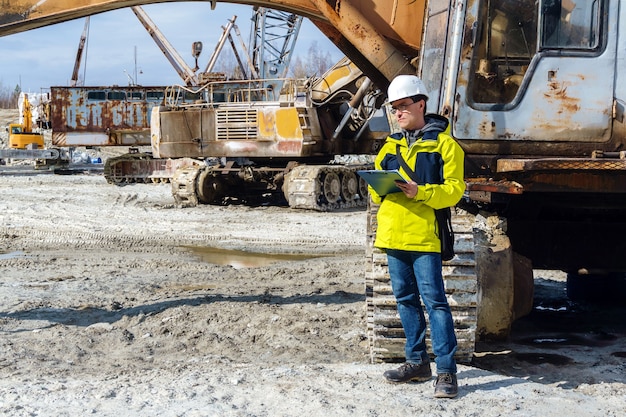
(9, 96)
(314, 64)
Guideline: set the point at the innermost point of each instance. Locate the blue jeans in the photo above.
(415, 274)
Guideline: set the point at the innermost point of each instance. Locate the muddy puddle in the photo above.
(243, 259)
(10, 255)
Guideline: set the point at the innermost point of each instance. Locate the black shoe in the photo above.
(409, 372)
(446, 386)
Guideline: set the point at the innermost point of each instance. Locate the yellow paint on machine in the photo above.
(341, 73)
(279, 124)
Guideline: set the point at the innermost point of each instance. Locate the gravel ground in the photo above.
(115, 302)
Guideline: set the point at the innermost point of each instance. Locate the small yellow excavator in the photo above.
(25, 144)
(21, 136)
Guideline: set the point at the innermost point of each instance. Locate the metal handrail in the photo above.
(242, 92)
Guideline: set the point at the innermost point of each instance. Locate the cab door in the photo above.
(435, 56)
(536, 71)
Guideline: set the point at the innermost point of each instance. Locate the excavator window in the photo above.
(116, 95)
(506, 41)
(155, 95)
(135, 95)
(96, 95)
(570, 24)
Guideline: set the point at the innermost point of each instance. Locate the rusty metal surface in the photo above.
(371, 28)
(587, 175)
(551, 101)
(589, 181)
(560, 164)
(258, 130)
(102, 116)
(483, 189)
(399, 21)
(523, 175)
(20, 15)
(142, 167)
(489, 185)
(197, 133)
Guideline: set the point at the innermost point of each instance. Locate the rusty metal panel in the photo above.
(490, 185)
(562, 97)
(366, 32)
(64, 139)
(102, 116)
(232, 131)
(557, 175)
(561, 164)
(285, 122)
(233, 149)
(399, 21)
(591, 181)
(20, 15)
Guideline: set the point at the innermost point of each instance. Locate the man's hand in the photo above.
(408, 188)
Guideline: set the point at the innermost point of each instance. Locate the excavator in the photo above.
(21, 135)
(27, 144)
(535, 94)
(273, 140)
(116, 116)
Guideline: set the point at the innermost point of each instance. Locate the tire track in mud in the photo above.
(156, 243)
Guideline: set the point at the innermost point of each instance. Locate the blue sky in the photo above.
(41, 58)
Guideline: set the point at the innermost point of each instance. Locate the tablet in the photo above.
(383, 182)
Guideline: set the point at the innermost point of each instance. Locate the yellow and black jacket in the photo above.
(437, 159)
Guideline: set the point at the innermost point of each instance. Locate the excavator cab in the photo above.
(506, 41)
(504, 50)
(19, 138)
(534, 72)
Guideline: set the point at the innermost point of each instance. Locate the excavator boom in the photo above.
(380, 36)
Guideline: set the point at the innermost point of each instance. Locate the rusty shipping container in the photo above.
(102, 116)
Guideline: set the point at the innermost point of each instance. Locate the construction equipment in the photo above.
(263, 85)
(120, 116)
(259, 143)
(536, 95)
(266, 137)
(101, 116)
(79, 53)
(21, 135)
(27, 144)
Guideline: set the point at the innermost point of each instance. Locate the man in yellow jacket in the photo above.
(409, 234)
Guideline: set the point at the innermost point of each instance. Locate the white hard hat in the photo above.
(405, 86)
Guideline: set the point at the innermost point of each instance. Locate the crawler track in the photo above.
(142, 167)
(326, 187)
(385, 331)
(311, 187)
